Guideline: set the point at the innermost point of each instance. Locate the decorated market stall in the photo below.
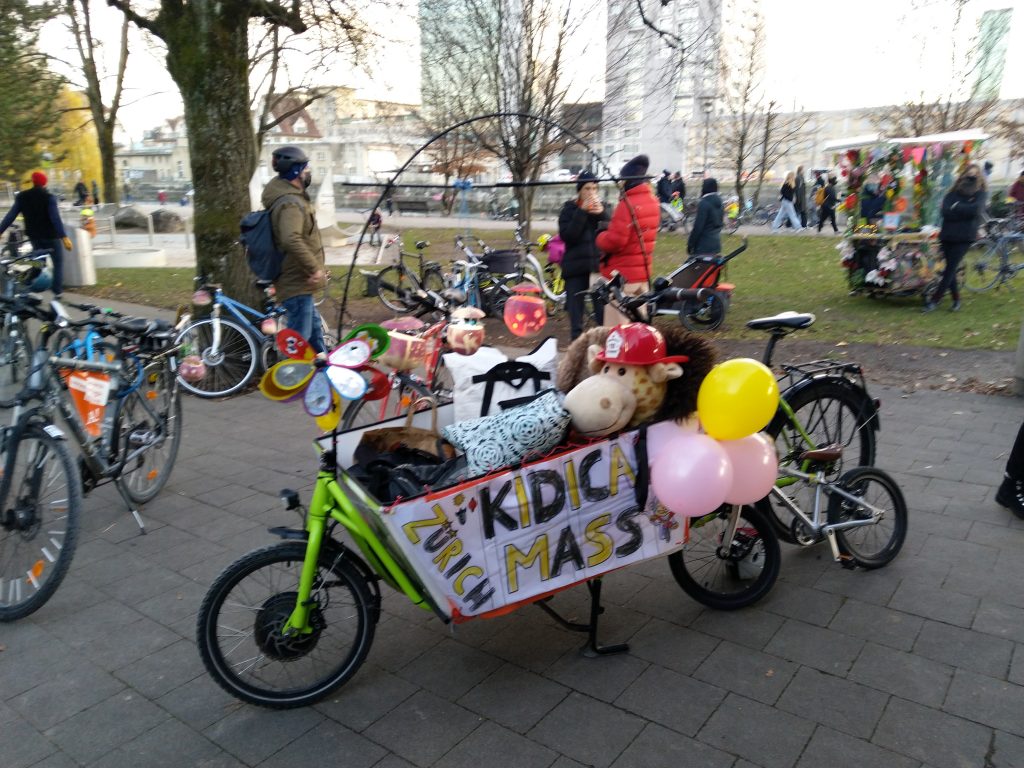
(894, 190)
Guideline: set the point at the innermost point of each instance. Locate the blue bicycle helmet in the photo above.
(37, 280)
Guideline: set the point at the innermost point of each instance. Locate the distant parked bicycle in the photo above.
(993, 261)
(398, 284)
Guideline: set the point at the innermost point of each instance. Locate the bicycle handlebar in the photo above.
(606, 290)
(85, 365)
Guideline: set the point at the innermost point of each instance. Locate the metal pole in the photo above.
(707, 129)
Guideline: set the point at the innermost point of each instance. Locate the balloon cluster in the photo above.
(732, 462)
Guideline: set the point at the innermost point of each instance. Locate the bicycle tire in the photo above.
(751, 565)
(836, 413)
(433, 280)
(704, 315)
(981, 266)
(15, 359)
(227, 371)
(852, 541)
(394, 283)
(39, 545)
(256, 639)
(364, 413)
(148, 473)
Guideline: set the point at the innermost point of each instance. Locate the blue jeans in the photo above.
(303, 318)
(786, 211)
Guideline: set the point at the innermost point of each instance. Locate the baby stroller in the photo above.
(671, 217)
(703, 272)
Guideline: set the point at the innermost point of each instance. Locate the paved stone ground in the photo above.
(920, 664)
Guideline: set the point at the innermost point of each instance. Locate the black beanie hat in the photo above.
(584, 177)
(636, 167)
(709, 185)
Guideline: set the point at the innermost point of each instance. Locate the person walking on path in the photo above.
(962, 210)
(706, 236)
(1011, 491)
(786, 208)
(628, 243)
(678, 186)
(375, 224)
(95, 193)
(827, 210)
(43, 225)
(296, 234)
(81, 192)
(664, 187)
(578, 225)
(800, 196)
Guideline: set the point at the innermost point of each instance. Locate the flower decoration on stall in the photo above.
(322, 381)
(525, 313)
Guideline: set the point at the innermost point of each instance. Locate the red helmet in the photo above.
(637, 344)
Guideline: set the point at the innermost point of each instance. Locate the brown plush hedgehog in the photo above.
(624, 376)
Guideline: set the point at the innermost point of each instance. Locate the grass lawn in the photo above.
(801, 273)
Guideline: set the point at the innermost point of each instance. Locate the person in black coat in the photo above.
(706, 235)
(664, 187)
(962, 209)
(43, 225)
(872, 201)
(800, 196)
(678, 185)
(578, 225)
(827, 211)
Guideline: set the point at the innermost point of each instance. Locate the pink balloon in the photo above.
(692, 476)
(662, 433)
(754, 467)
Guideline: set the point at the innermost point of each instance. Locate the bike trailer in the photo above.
(701, 272)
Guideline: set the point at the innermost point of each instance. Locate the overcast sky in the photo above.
(822, 54)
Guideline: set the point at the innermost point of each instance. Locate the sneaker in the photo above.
(1011, 496)
(956, 306)
(929, 306)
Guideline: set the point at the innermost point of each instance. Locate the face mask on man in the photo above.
(307, 178)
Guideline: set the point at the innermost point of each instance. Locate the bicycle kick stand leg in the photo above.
(591, 649)
(131, 506)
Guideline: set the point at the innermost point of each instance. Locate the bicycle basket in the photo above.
(501, 262)
(699, 272)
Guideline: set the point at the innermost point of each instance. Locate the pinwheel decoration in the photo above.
(323, 382)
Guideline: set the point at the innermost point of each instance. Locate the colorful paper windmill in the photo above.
(323, 383)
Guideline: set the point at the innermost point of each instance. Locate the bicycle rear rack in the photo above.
(827, 367)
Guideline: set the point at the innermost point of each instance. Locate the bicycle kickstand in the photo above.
(131, 506)
(591, 649)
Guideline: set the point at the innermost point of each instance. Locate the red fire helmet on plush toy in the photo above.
(637, 344)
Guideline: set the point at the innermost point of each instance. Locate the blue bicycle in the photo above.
(230, 350)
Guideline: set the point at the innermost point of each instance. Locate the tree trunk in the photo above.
(108, 164)
(207, 55)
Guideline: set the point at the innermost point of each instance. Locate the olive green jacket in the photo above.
(297, 236)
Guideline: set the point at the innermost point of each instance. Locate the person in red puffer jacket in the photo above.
(628, 243)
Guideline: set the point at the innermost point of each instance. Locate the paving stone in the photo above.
(751, 627)
(954, 551)
(902, 674)
(1000, 620)
(1007, 751)
(181, 602)
(399, 644)
(657, 747)
(21, 745)
(144, 585)
(368, 696)
(449, 668)
(928, 735)
(835, 749)
(91, 734)
(866, 586)
(199, 703)
(880, 625)
(767, 737)
(532, 646)
(1017, 665)
(163, 671)
(751, 673)
(964, 648)
(938, 604)
(603, 677)
(327, 742)
(589, 730)
(393, 761)
(490, 744)
(56, 760)
(514, 698)
(32, 655)
(169, 745)
(822, 649)
(423, 728)
(833, 701)
(987, 700)
(672, 646)
(253, 734)
(802, 603)
(673, 700)
(60, 696)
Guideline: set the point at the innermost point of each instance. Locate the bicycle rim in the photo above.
(240, 621)
(871, 546)
(38, 523)
(150, 419)
(228, 369)
(829, 413)
(727, 575)
(981, 267)
(394, 285)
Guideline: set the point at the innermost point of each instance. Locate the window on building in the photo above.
(181, 169)
(299, 126)
(320, 156)
(631, 133)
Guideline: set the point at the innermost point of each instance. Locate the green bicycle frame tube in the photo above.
(782, 482)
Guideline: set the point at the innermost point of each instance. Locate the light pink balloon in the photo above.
(662, 433)
(754, 467)
(692, 475)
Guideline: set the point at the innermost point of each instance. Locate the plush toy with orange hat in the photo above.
(639, 373)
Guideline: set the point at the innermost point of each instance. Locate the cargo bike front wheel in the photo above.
(240, 627)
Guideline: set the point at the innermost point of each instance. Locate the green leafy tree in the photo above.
(208, 56)
(29, 91)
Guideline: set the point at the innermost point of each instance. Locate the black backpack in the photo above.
(257, 237)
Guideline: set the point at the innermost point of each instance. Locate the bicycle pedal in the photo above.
(847, 562)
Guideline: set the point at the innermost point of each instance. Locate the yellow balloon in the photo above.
(737, 398)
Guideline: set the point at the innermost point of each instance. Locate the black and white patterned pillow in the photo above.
(513, 436)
